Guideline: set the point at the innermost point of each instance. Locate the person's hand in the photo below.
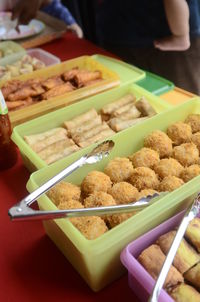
(24, 10)
(76, 29)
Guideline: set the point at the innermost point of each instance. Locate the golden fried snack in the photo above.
(146, 192)
(86, 135)
(56, 147)
(145, 157)
(52, 82)
(84, 76)
(81, 119)
(168, 167)
(190, 172)
(115, 219)
(10, 87)
(63, 192)
(91, 227)
(144, 107)
(196, 139)
(170, 183)
(194, 121)
(22, 93)
(19, 104)
(70, 204)
(95, 181)
(129, 114)
(184, 293)
(187, 154)
(86, 126)
(70, 74)
(179, 133)
(144, 178)
(61, 154)
(193, 233)
(97, 137)
(119, 169)
(186, 255)
(152, 259)
(160, 142)
(123, 192)
(58, 90)
(110, 108)
(128, 107)
(99, 199)
(118, 124)
(193, 276)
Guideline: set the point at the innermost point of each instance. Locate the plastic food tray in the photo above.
(56, 119)
(155, 84)
(17, 54)
(98, 261)
(177, 96)
(110, 79)
(140, 281)
(47, 58)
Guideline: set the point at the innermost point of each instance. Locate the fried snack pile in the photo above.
(183, 279)
(19, 94)
(85, 129)
(26, 65)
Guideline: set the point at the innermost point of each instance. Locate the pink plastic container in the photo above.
(47, 58)
(139, 279)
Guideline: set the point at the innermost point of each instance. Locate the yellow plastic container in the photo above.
(110, 79)
(177, 96)
(98, 261)
(56, 119)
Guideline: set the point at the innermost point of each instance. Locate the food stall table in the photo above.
(32, 268)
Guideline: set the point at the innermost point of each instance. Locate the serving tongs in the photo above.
(192, 211)
(22, 211)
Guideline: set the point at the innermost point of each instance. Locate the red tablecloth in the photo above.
(31, 267)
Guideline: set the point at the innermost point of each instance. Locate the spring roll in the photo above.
(56, 147)
(193, 276)
(52, 82)
(84, 76)
(80, 119)
(118, 124)
(109, 108)
(193, 233)
(86, 126)
(57, 90)
(34, 138)
(21, 94)
(129, 108)
(90, 133)
(152, 260)
(186, 255)
(19, 104)
(58, 155)
(184, 293)
(70, 74)
(145, 108)
(96, 138)
(10, 87)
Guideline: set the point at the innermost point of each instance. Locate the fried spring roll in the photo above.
(193, 233)
(152, 260)
(80, 119)
(10, 87)
(109, 108)
(58, 90)
(86, 126)
(186, 255)
(22, 93)
(19, 104)
(58, 155)
(193, 276)
(118, 125)
(52, 82)
(96, 138)
(184, 293)
(84, 76)
(33, 139)
(55, 148)
(70, 74)
(145, 108)
(91, 133)
(129, 108)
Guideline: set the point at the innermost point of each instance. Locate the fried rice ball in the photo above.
(187, 154)
(168, 167)
(190, 172)
(194, 121)
(64, 191)
(144, 178)
(95, 181)
(70, 204)
(145, 157)
(115, 219)
(196, 139)
(146, 192)
(91, 227)
(99, 199)
(119, 169)
(179, 133)
(123, 192)
(160, 142)
(170, 183)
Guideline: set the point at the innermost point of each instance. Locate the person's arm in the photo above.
(24, 10)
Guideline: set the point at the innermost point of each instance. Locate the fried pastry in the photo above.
(110, 108)
(123, 192)
(193, 276)
(86, 126)
(179, 133)
(194, 121)
(168, 167)
(58, 90)
(100, 136)
(190, 172)
(145, 157)
(52, 82)
(61, 154)
(193, 233)
(118, 124)
(78, 138)
(130, 107)
(69, 75)
(160, 142)
(80, 119)
(170, 183)
(187, 154)
(84, 76)
(145, 107)
(144, 178)
(119, 169)
(95, 181)
(40, 137)
(184, 293)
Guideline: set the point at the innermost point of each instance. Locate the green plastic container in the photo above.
(127, 73)
(17, 52)
(98, 261)
(155, 84)
(56, 119)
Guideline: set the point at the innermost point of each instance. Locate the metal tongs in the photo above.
(22, 211)
(190, 214)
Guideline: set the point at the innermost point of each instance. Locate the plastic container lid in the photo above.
(47, 58)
